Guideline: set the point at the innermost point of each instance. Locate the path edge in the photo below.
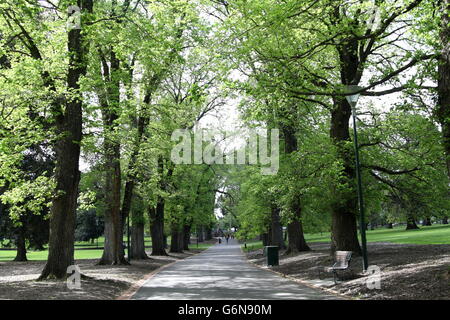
(130, 292)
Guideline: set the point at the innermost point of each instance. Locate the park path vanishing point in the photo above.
(222, 273)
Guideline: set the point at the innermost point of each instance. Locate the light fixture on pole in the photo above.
(352, 98)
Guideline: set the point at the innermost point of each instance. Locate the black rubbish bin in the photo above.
(272, 255)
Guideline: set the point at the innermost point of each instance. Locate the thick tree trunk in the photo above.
(296, 238)
(110, 100)
(265, 239)
(113, 252)
(21, 246)
(67, 150)
(445, 220)
(208, 234)
(137, 251)
(176, 244)
(344, 228)
(270, 237)
(427, 222)
(443, 108)
(156, 216)
(186, 237)
(277, 229)
(411, 223)
(138, 242)
(343, 211)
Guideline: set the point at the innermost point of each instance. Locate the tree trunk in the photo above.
(186, 237)
(443, 107)
(156, 216)
(296, 238)
(390, 226)
(427, 222)
(277, 229)
(265, 239)
(445, 220)
(208, 234)
(269, 237)
(411, 223)
(114, 252)
(67, 150)
(176, 244)
(21, 247)
(343, 210)
(137, 251)
(344, 235)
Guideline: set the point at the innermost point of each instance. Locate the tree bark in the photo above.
(277, 229)
(137, 251)
(67, 151)
(156, 216)
(296, 238)
(427, 221)
(265, 239)
(344, 229)
(411, 223)
(208, 234)
(176, 244)
(443, 107)
(21, 246)
(186, 236)
(113, 253)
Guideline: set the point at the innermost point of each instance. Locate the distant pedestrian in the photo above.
(228, 237)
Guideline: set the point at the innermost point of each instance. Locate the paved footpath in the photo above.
(222, 273)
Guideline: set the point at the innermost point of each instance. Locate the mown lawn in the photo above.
(9, 255)
(435, 234)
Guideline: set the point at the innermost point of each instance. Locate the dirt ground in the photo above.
(419, 272)
(18, 279)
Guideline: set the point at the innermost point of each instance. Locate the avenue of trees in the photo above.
(91, 92)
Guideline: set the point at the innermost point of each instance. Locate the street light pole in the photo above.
(128, 237)
(353, 100)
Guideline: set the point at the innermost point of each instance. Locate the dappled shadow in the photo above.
(222, 273)
(407, 271)
(18, 279)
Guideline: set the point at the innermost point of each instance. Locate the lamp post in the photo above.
(128, 237)
(353, 100)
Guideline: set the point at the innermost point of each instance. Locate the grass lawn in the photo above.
(435, 234)
(9, 255)
(42, 255)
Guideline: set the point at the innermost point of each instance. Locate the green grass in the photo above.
(436, 234)
(253, 245)
(42, 255)
(9, 255)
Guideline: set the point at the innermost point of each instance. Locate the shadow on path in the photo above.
(222, 273)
